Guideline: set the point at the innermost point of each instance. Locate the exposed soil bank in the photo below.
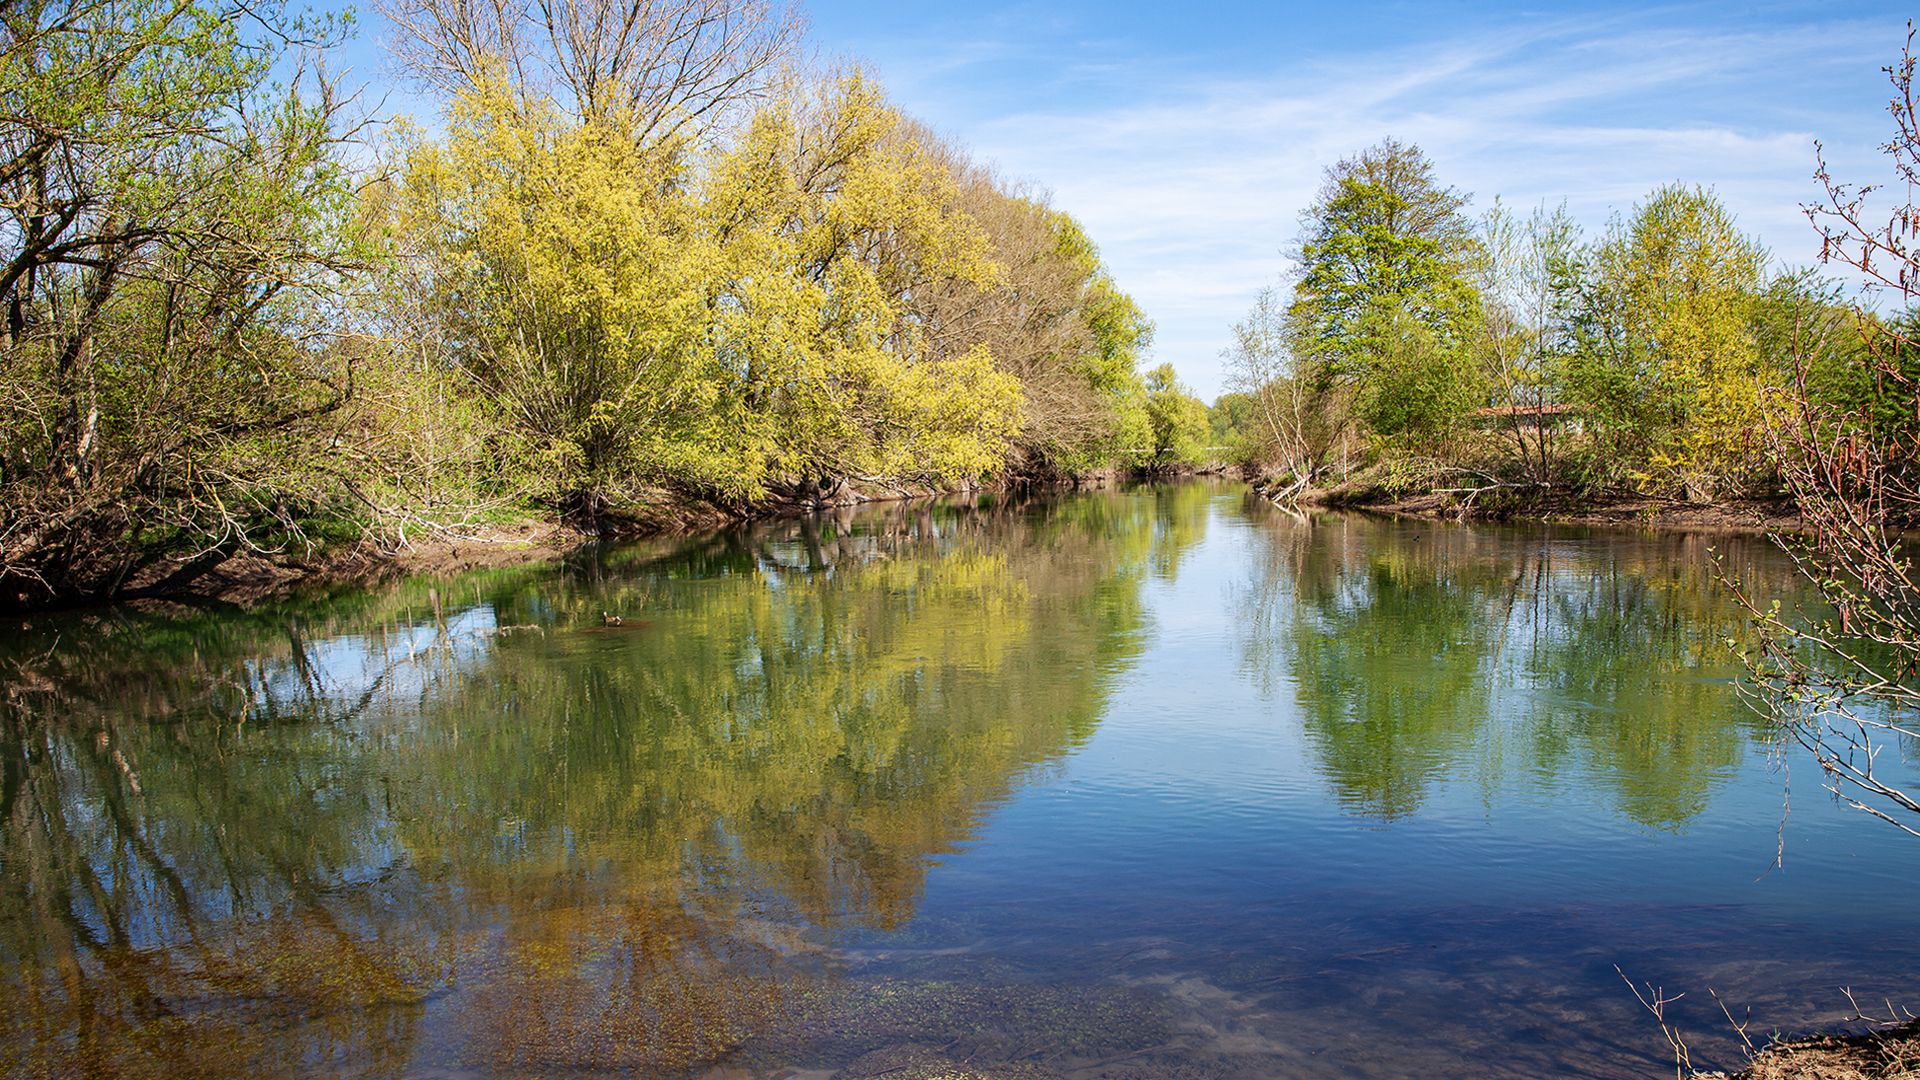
(1730, 516)
(249, 577)
(1881, 1055)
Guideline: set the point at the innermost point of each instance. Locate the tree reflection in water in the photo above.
(465, 825)
(462, 822)
(1426, 652)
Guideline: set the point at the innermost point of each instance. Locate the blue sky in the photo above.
(1189, 138)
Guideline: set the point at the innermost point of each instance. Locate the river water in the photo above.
(1153, 782)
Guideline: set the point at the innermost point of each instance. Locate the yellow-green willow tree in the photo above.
(1666, 357)
(648, 314)
(831, 223)
(1053, 317)
(634, 254)
(559, 265)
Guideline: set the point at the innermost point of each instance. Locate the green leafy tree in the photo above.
(1419, 384)
(1382, 298)
(1232, 422)
(1120, 334)
(1178, 421)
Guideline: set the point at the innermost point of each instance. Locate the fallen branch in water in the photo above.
(1290, 495)
(1472, 493)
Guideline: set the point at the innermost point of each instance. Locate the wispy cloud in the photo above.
(1193, 178)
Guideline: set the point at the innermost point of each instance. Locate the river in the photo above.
(1150, 782)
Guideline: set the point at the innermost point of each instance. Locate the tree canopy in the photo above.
(1382, 299)
(1509, 353)
(639, 259)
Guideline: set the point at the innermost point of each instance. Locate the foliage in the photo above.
(1177, 420)
(1666, 360)
(1511, 350)
(635, 253)
(1419, 385)
(176, 226)
(729, 325)
(1117, 335)
(559, 270)
(835, 217)
(1233, 421)
(1052, 317)
(1840, 350)
(1382, 298)
(1526, 315)
(422, 452)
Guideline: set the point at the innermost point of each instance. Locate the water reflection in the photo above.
(1419, 652)
(468, 822)
(1137, 783)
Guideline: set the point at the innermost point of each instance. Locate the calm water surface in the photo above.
(1149, 783)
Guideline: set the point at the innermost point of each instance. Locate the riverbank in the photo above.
(1557, 507)
(249, 581)
(1731, 516)
(247, 577)
(1892, 1054)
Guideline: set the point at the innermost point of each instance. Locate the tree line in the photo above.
(644, 254)
(1416, 345)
